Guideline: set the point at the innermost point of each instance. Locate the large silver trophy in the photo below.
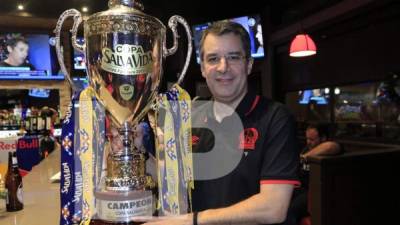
(124, 50)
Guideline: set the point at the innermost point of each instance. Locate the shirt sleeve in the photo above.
(281, 152)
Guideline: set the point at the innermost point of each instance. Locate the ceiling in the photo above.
(195, 11)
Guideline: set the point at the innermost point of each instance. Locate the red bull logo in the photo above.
(28, 144)
(8, 146)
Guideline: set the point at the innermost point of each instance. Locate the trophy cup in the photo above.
(124, 50)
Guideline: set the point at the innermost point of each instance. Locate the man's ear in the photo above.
(9, 49)
(250, 65)
(202, 69)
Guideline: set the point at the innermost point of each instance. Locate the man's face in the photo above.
(18, 53)
(313, 138)
(225, 68)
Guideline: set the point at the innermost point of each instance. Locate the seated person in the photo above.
(18, 49)
(318, 143)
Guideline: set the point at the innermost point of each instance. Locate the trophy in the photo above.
(124, 51)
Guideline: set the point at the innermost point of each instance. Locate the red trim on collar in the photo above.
(253, 106)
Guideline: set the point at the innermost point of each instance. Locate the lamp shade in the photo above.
(302, 45)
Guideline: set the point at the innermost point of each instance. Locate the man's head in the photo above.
(17, 51)
(315, 135)
(226, 60)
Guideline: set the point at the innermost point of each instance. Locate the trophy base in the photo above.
(102, 222)
(119, 207)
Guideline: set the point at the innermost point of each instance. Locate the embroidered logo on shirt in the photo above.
(248, 138)
(195, 140)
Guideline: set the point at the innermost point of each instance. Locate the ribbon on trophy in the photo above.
(67, 181)
(173, 150)
(85, 153)
(80, 157)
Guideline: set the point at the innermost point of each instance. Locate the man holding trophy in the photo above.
(258, 189)
(124, 50)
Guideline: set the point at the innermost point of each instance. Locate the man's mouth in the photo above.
(224, 80)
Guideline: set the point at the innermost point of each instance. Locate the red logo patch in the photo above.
(248, 138)
(195, 140)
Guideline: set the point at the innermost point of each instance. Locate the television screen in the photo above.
(40, 63)
(79, 57)
(319, 96)
(251, 23)
(39, 93)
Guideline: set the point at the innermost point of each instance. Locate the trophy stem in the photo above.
(127, 139)
(126, 166)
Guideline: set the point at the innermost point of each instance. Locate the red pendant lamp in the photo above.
(302, 45)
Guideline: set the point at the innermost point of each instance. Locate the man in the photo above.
(17, 52)
(318, 144)
(259, 188)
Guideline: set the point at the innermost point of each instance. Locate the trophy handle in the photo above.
(173, 23)
(81, 48)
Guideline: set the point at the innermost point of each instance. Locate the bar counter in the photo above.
(41, 197)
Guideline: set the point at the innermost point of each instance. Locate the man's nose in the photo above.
(222, 65)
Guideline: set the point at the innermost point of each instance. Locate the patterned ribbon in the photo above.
(67, 182)
(81, 157)
(173, 147)
(85, 152)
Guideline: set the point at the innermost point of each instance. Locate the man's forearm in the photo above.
(326, 148)
(262, 208)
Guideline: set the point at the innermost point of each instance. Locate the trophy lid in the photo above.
(124, 8)
(129, 3)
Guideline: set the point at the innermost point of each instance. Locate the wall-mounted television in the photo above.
(251, 23)
(39, 93)
(41, 55)
(319, 96)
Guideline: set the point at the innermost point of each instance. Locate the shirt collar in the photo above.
(248, 103)
(245, 107)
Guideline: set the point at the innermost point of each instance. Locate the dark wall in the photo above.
(350, 189)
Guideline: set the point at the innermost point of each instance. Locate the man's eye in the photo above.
(213, 59)
(234, 57)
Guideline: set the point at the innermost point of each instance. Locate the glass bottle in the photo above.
(14, 199)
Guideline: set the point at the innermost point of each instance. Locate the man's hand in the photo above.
(186, 219)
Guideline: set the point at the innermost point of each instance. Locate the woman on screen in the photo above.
(17, 52)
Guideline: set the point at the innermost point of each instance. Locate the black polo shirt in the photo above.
(25, 64)
(267, 144)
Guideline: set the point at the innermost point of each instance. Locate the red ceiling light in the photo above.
(302, 45)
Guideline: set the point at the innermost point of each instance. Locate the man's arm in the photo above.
(325, 148)
(268, 206)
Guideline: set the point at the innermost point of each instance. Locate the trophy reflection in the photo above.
(124, 50)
